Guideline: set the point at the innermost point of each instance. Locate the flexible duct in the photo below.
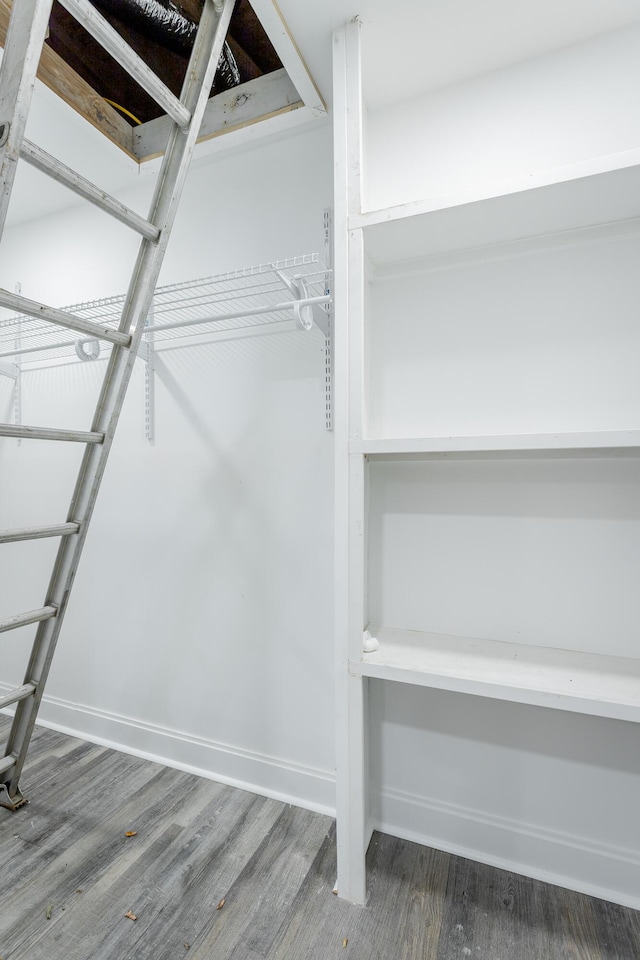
(163, 22)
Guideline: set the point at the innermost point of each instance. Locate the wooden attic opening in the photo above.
(251, 83)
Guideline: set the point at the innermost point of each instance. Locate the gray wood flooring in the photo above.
(215, 873)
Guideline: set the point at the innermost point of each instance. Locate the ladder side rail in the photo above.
(25, 36)
(208, 45)
(108, 38)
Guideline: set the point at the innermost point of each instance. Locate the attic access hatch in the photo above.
(261, 75)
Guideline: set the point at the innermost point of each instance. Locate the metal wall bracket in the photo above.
(328, 312)
(149, 381)
(17, 390)
(306, 314)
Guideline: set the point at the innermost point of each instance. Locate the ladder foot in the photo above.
(11, 803)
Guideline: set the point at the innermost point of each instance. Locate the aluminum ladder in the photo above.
(25, 38)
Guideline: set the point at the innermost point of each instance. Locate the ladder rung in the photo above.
(39, 533)
(102, 31)
(43, 161)
(14, 696)
(24, 619)
(34, 309)
(20, 432)
(6, 763)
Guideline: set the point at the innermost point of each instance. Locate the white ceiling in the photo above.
(409, 46)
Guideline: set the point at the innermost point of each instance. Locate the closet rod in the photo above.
(237, 314)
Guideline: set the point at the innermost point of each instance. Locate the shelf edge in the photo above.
(606, 443)
(598, 166)
(609, 709)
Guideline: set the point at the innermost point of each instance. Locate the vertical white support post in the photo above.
(350, 588)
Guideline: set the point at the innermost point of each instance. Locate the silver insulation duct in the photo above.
(161, 21)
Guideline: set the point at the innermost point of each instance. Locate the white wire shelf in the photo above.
(258, 298)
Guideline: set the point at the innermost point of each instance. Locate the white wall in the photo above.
(562, 108)
(200, 629)
(540, 342)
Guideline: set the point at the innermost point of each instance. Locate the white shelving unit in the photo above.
(389, 265)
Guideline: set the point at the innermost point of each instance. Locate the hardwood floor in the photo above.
(214, 872)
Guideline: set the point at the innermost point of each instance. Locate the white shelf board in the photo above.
(607, 443)
(600, 685)
(595, 192)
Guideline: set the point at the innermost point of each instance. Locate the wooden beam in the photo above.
(246, 104)
(285, 46)
(65, 82)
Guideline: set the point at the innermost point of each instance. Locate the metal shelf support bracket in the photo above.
(149, 381)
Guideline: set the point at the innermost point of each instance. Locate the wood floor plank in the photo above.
(93, 845)
(68, 876)
(578, 938)
(406, 892)
(617, 930)
(427, 897)
(177, 897)
(391, 866)
(493, 913)
(458, 922)
(316, 918)
(254, 905)
(64, 811)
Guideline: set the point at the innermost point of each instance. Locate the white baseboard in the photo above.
(268, 776)
(577, 863)
(574, 862)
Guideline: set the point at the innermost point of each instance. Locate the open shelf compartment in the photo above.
(602, 191)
